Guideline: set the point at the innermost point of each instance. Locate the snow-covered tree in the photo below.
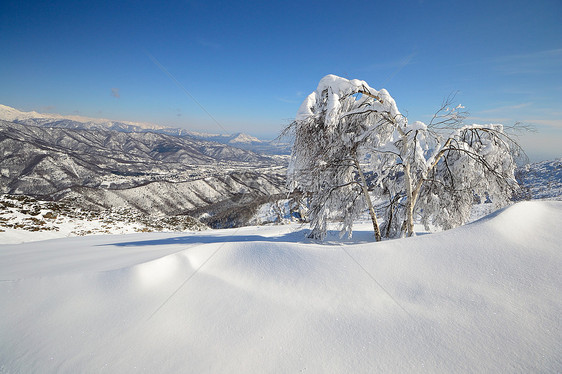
(336, 127)
(437, 178)
(346, 129)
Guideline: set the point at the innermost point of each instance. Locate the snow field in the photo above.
(484, 297)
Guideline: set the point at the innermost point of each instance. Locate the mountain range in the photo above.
(100, 164)
(238, 140)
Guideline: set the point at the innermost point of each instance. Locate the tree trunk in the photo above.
(365, 190)
(413, 192)
(409, 201)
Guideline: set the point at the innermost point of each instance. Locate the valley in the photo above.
(103, 166)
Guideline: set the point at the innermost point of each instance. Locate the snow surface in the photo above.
(484, 297)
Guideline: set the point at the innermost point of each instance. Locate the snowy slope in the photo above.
(481, 298)
(542, 180)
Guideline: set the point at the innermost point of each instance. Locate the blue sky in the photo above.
(251, 63)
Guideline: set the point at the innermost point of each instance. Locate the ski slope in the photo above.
(485, 297)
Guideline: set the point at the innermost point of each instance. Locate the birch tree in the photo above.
(346, 131)
(437, 178)
(335, 128)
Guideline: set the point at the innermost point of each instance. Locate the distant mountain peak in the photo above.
(244, 138)
(12, 114)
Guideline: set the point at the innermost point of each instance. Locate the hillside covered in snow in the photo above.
(74, 122)
(150, 173)
(542, 180)
(484, 297)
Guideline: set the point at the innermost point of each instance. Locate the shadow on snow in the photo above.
(299, 236)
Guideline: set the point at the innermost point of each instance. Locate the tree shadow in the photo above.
(298, 236)
(292, 237)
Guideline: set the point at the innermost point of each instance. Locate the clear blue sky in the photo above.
(250, 64)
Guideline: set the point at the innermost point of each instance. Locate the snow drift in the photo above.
(480, 298)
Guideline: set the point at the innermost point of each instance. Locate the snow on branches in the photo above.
(438, 178)
(352, 145)
(335, 128)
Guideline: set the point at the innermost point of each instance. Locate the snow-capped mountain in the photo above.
(244, 138)
(72, 121)
(101, 164)
(152, 173)
(56, 158)
(248, 142)
(225, 139)
(238, 140)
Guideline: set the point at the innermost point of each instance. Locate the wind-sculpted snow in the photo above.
(484, 297)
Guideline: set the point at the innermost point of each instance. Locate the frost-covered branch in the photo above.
(448, 116)
(346, 129)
